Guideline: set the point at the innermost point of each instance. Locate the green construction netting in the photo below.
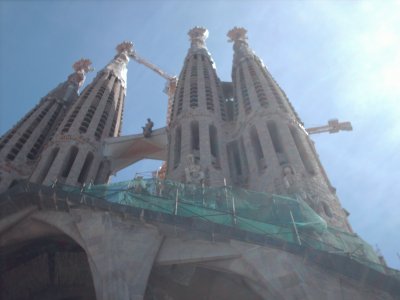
(280, 217)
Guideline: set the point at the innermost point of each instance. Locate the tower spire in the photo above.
(118, 66)
(21, 147)
(74, 154)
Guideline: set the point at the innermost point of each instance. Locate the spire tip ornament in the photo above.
(237, 34)
(81, 68)
(198, 36)
(125, 46)
(83, 65)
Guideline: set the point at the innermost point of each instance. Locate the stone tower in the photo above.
(196, 137)
(21, 146)
(281, 157)
(74, 154)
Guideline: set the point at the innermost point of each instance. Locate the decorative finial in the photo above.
(237, 34)
(125, 46)
(81, 67)
(198, 36)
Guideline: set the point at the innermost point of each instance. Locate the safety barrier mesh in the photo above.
(280, 217)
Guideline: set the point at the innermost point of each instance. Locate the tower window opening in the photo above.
(49, 162)
(103, 173)
(276, 142)
(214, 146)
(73, 152)
(177, 147)
(234, 159)
(258, 152)
(85, 168)
(222, 106)
(237, 162)
(195, 139)
(244, 92)
(305, 157)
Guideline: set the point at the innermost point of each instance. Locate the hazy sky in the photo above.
(338, 59)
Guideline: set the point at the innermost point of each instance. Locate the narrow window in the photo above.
(258, 152)
(238, 166)
(177, 147)
(305, 158)
(86, 167)
(234, 159)
(214, 146)
(48, 164)
(69, 161)
(195, 137)
(100, 173)
(276, 142)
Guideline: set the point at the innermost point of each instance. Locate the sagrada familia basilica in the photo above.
(223, 144)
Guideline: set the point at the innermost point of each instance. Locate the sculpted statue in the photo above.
(288, 176)
(193, 172)
(148, 128)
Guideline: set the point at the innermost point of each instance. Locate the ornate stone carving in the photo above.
(198, 36)
(237, 34)
(193, 172)
(81, 67)
(125, 46)
(118, 65)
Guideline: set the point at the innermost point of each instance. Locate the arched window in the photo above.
(86, 168)
(195, 138)
(258, 152)
(276, 142)
(214, 146)
(70, 159)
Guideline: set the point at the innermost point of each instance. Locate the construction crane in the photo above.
(170, 86)
(333, 126)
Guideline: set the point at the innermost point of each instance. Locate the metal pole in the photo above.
(202, 187)
(295, 229)
(176, 202)
(234, 211)
(226, 194)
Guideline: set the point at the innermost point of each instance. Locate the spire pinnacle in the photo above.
(198, 36)
(118, 64)
(237, 34)
(81, 67)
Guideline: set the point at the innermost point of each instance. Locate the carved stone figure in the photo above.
(288, 176)
(193, 172)
(148, 128)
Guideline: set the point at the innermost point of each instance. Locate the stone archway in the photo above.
(49, 267)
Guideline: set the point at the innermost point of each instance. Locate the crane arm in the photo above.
(151, 66)
(333, 126)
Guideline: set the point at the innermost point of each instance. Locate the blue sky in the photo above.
(338, 59)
